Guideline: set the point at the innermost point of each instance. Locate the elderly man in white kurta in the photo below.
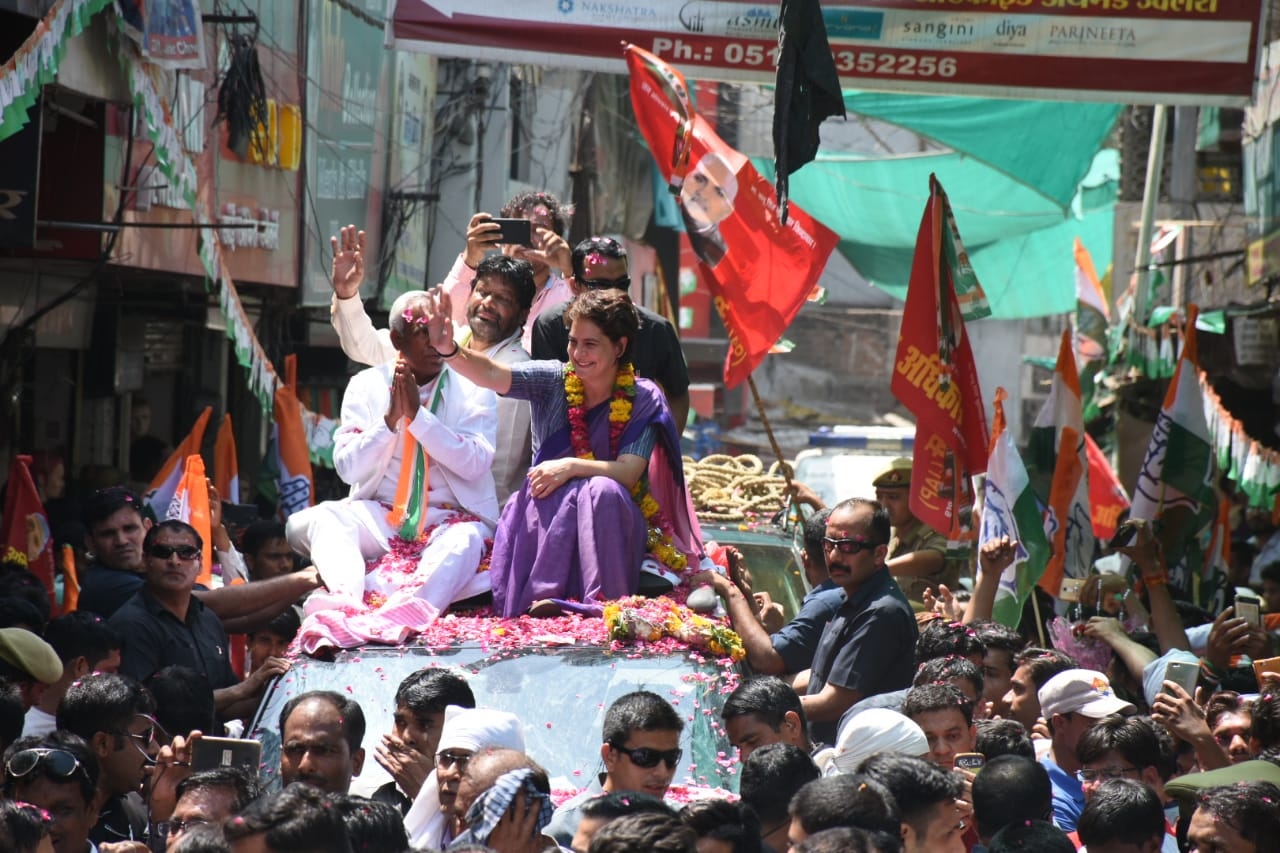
(500, 291)
(415, 444)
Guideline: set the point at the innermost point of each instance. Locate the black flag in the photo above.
(807, 90)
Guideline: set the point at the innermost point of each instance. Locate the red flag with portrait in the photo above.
(934, 374)
(759, 271)
(26, 527)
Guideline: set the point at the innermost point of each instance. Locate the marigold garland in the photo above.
(659, 540)
(650, 619)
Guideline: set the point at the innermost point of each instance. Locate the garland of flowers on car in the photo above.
(659, 540)
(637, 618)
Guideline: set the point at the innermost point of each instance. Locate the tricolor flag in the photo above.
(1175, 484)
(760, 272)
(1093, 317)
(934, 374)
(26, 527)
(294, 484)
(1107, 498)
(1057, 445)
(190, 503)
(226, 468)
(1010, 509)
(160, 494)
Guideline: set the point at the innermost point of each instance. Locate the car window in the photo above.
(560, 693)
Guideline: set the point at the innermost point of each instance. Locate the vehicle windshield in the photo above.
(773, 558)
(559, 692)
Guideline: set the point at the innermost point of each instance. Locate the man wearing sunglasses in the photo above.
(641, 752)
(164, 624)
(868, 647)
(59, 774)
(601, 263)
(114, 716)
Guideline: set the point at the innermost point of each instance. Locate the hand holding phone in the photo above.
(1249, 609)
(1182, 673)
(971, 761)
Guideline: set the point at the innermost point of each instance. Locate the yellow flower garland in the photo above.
(658, 542)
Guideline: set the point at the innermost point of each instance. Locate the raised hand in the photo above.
(439, 308)
(550, 248)
(406, 765)
(348, 261)
(996, 555)
(482, 236)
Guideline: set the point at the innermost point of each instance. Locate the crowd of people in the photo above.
(890, 713)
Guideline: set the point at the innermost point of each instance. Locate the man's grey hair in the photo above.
(403, 303)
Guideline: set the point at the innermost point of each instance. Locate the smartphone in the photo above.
(515, 231)
(971, 761)
(1070, 589)
(1265, 665)
(1125, 534)
(1249, 609)
(211, 752)
(1182, 673)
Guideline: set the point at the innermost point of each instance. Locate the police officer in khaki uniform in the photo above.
(917, 553)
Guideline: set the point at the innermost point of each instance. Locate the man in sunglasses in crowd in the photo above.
(164, 624)
(868, 647)
(600, 263)
(114, 716)
(58, 773)
(641, 751)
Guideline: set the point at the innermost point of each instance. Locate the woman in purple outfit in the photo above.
(606, 486)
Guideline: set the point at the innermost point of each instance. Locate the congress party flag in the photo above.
(190, 503)
(1093, 317)
(226, 467)
(165, 485)
(758, 270)
(1107, 497)
(294, 483)
(1175, 484)
(1009, 508)
(934, 374)
(26, 527)
(1057, 445)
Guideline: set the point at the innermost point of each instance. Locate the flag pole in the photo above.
(1035, 606)
(783, 465)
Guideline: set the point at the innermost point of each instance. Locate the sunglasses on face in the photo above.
(58, 762)
(645, 757)
(449, 759)
(849, 546)
(164, 552)
(620, 283)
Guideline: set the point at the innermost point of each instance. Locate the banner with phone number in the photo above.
(1119, 51)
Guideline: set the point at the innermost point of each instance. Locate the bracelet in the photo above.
(453, 354)
(1150, 581)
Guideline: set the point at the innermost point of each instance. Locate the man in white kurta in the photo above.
(498, 297)
(455, 422)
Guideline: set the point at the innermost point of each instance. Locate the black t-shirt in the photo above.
(104, 590)
(656, 352)
(121, 818)
(154, 638)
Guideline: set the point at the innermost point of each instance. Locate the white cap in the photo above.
(871, 731)
(476, 728)
(1081, 691)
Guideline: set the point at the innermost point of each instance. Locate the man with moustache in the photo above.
(497, 307)
(321, 737)
(868, 647)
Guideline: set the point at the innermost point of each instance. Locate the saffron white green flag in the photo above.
(1057, 446)
(1009, 509)
(1175, 484)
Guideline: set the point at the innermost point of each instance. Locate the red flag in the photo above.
(759, 271)
(26, 527)
(1107, 498)
(934, 376)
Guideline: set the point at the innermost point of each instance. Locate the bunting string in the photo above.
(174, 163)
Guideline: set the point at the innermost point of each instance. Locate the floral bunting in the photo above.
(177, 167)
(1254, 467)
(36, 62)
